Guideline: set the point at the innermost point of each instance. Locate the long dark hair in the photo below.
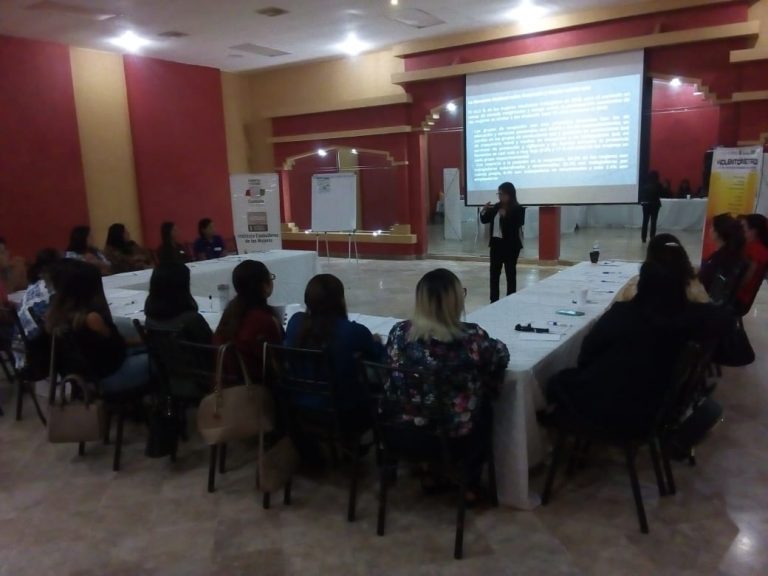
(730, 232)
(509, 189)
(249, 279)
(202, 225)
(169, 292)
(78, 292)
(116, 238)
(661, 290)
(78, 240)
(324, 298)
(666, 250)
(166, 234)
(44, 261)
(759, 224)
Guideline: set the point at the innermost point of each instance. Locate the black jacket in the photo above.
(510, 224)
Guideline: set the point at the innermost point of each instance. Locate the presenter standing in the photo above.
(650, 199)
(506, 218)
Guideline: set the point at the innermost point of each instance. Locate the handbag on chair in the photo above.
(80, 420)
(237, 412)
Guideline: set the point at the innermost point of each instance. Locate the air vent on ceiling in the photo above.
(415, 18)
(173, 34)
(272, 11)
(260, 50)
(72, 9)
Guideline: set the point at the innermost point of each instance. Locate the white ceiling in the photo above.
(312, 29)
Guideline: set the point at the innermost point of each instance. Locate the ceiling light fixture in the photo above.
(435, 116)
(353, 45)
(322, 153)
(527, 11)
(354, 151)
(394, 2)
(451, 107)
(130, 41)
(675, 82)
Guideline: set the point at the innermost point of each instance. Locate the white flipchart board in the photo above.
(334, 202)
(762, 200)
(452, 204)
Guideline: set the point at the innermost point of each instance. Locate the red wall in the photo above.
(179, 145)
(42, 187)
(683, 127)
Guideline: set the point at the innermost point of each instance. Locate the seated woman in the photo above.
(248, 321)
(171, 306)
(171, 250)
(756, 253)
(124, 254)
(208, 245)
(726, 262)
(436, 338)
(325, 325)
(685, 190)
(79, 310)
(667, 250)
(627, 360)
(81, 248)
(38, 298)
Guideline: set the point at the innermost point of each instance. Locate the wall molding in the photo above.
(694, 35)
(342, 134)
(749, 96)
(553, 23)
(749, 55)
(348, 105)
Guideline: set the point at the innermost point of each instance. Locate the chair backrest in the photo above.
(725, 285)
(304, 388)
(687, 383)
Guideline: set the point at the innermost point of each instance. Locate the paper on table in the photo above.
(542, 337)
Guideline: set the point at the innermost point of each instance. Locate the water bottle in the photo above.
(594, 255)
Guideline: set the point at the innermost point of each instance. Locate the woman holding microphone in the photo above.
(506, 218)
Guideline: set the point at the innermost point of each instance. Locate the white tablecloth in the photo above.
(292, 268)
(518, 439)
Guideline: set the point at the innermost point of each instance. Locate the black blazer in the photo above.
(510, 224)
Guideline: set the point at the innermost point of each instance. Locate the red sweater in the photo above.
(257, 327)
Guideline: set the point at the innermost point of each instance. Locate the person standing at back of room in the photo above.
(506, 218)
(208, 245)
(650, 199)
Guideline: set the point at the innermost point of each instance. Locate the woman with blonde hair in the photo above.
(435, 338)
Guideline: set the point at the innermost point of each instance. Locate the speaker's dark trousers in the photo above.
(503, 255)
(650, 212)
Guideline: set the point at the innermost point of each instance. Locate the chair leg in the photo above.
(287, 492)
(81, 448)
(630, 455)
(19, 399)
(107, 427)
(223, 459)
(266, 501)
(119, 439)
(352, 505)
(557, 455)
(668, 469)
(382, 517)
(653, 445)
(38, 409)
(212, 460)
(458, 546)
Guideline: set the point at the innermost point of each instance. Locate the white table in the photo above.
(518, 439)
(292, 268)
(675, 214)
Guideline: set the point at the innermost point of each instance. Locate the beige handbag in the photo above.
(235, 413)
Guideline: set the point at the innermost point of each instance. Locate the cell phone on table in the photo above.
(569, 313)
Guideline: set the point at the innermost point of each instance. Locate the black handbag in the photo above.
(163, 437)
(735, 349)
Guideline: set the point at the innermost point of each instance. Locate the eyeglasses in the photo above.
(465, 292)
(273, 277)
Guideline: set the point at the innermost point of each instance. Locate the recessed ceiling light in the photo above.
(451, 107)
(394, 2)
(353, 45)
(130, 41)
(322, 153)
(527, 11)
(354, 151)
(675, 82)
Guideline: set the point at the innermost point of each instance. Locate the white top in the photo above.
(497, 225)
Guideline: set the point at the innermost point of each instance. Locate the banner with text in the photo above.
(256, 212)
(733, 186)
(762, 201)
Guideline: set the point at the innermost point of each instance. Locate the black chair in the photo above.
(306, 398)
(686, 385)
(35, 368)
(424, 396)
(68, 359)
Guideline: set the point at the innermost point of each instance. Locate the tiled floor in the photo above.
(63, 515)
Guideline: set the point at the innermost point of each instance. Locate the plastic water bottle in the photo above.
(594, 254)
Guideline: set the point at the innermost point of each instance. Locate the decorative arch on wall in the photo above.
(291, 161)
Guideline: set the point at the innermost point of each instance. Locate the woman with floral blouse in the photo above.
(467, 362)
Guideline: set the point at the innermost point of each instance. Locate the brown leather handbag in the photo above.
(237, 412)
